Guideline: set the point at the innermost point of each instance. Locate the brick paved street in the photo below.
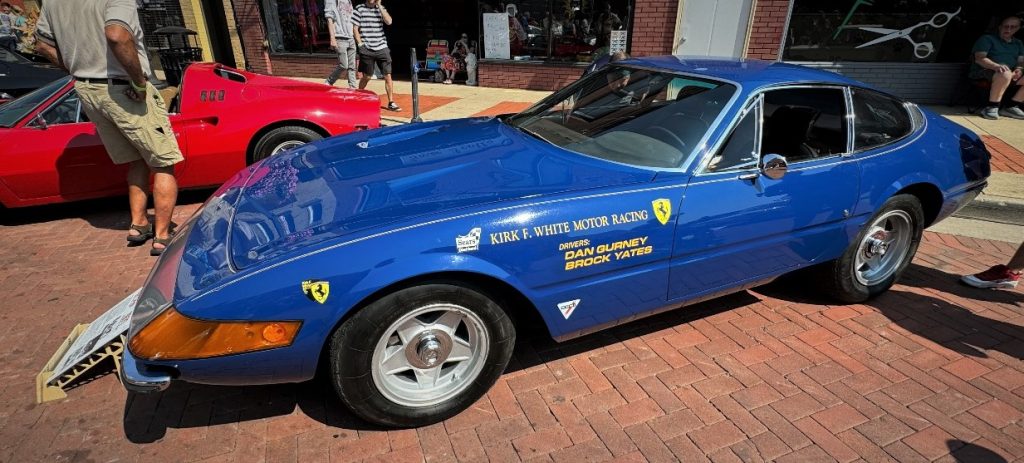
(930, 368)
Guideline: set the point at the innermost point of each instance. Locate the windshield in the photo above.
(11, 112)
(7, 56)
(633, 116)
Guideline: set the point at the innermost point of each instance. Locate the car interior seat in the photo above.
(786, 133)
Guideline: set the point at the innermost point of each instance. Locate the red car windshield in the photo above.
(12, 111)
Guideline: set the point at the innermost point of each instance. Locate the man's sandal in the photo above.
(145, 233)
(155, 251)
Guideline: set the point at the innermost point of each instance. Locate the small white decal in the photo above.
(568, 307)
(468, 242)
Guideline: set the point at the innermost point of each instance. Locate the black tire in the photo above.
(838, 278)
(352, 354)
(271, 140)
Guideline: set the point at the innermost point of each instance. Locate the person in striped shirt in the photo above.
(368, 22)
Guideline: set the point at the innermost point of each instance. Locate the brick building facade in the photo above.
(657, 27)
(653, 27)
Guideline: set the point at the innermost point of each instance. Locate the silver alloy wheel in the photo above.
(285, 146)
(884, 247)
(430, 355)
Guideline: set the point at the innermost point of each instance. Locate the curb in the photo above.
(1000, 209)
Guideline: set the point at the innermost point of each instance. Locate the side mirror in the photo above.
(40, 123)
(774, 166)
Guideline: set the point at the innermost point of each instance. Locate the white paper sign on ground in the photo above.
(496, 41)
(104, 329)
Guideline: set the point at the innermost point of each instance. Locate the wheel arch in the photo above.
(516, 305)
(251, 147)
(930, 197)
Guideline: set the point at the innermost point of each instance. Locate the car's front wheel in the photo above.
(420, 355)
(282, 139)
(878, 256)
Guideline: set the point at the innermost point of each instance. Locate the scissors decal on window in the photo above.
(921, 49)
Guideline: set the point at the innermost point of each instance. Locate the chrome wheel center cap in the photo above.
(430, 349)
(876, 245)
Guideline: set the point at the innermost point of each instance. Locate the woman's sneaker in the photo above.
(990, 112)
(393, 107)
(999, 276)
(1013, 111)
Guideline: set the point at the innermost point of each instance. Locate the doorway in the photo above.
(716, 28)
(220, 37)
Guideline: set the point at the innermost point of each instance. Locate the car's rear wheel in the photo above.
(282, 139)
(878, 256)
(420, 355)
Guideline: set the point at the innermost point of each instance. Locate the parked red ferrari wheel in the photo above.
(420, 355)
(282, 139)
(878, 256)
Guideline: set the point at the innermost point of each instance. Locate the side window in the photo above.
(878, 119)
(740, 149)
(67, 111)
(804, 123)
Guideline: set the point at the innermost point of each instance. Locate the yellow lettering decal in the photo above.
(576, 258)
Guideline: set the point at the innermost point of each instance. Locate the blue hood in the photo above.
(345, 184)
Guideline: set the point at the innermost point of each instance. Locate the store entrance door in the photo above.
(415, 25)
(716, 28)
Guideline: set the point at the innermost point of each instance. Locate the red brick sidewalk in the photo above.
(1005, 158)
(927, 369)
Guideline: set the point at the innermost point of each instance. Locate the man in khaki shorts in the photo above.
(99, 42)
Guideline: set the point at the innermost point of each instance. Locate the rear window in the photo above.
(878, 119)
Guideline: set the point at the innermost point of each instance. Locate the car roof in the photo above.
(750, 73)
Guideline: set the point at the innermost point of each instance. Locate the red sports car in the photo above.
(224, 119)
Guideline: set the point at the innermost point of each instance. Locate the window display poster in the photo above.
(618, 42)
(496, 40)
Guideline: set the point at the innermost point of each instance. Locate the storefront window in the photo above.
(153, 14)
(296, 26)
(866, 30)
(569, 30)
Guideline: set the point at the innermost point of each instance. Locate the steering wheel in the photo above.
(666, 133)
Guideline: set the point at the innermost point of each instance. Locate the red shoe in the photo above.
(999, 276)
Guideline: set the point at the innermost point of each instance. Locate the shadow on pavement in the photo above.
(104, 213)
(793, 287)
(953, 327)
(925, 277)
(148, 416)
(970, 453)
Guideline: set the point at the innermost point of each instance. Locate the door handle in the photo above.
(749, 176)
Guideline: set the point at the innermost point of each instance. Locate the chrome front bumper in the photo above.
(135, 379)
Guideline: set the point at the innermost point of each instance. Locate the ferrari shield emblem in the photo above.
(662, 210)
(316, 290)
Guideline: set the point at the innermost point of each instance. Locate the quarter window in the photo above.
(740, 150)
(67, 111)
(803, 124)
(878, 119)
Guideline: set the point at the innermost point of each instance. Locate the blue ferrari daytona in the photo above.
(399, 259)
